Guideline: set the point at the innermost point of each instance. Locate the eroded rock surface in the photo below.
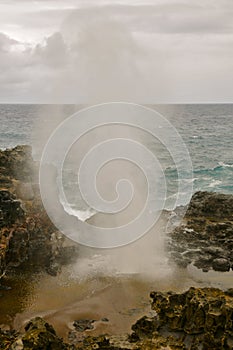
(202, 318)
(205, 236)
(28, 239)
(39, 335)
(196, 319)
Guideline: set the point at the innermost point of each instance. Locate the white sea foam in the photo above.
(225, 165)
(190, 180)
(215, 183)
(81, 214)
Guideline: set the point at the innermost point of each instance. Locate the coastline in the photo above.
(29, 242)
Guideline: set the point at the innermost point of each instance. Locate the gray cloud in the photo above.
(159, 51)
(53, 52)
(6, 42)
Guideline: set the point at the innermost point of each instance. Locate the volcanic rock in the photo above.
(39, 335)
(221, 264)
(205, 235)
(28, 239)
(203, 317)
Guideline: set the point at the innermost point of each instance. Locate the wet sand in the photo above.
(120, 299)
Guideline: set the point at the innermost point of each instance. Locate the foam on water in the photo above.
(215, 183)
(222, 164)
(82, 215)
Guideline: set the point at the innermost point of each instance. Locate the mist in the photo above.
(146, 257)
(98, 59)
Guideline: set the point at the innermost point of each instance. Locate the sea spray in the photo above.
(103, 161)
(144, 259)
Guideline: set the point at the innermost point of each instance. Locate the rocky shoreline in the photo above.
(200, 318)
(28, 239)
(196, 319)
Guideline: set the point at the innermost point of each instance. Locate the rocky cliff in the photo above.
(28, 239)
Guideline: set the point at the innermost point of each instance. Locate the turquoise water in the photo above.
(206, 129)
(208, 133)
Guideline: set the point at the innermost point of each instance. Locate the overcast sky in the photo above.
(74, 51)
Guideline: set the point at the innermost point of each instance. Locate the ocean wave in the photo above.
(189, 181)
(215, 183)
(81, 214)
(225, 165)
(218, 168)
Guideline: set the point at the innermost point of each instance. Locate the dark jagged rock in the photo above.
(39, 335)
(7, 338)
(10, 209)
(100, 342)
(83, 325)
(28, 239)
(145, 327)
(205, 236)
(221, 264)
(17, 163)
(202, 317)
(211, 205)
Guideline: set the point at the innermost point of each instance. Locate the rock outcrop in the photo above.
(28, 239)
(203, 318)
(196, 319)
(39, 335)
(205, 236)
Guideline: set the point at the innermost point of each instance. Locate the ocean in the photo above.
(207, 131)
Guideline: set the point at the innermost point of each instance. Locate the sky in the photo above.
(82, 51)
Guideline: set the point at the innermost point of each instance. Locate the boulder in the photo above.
(205, 235)
(83, 325)
(39, 335)
(211, 205)
(221, 264)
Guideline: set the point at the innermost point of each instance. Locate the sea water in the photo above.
(206, 130)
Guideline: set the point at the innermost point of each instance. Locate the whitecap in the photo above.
(215, 183)
(225, 165)
(81, 214)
